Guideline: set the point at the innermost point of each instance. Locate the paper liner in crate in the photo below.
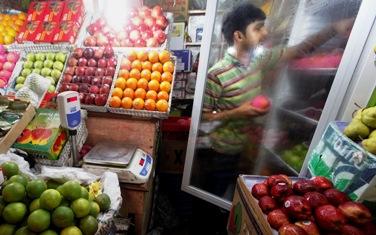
(34, 89)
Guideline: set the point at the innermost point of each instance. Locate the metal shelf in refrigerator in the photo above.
(316, 71)
(299, 116)
(280, 160)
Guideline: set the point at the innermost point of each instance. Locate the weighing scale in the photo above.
(132, 164)
(68, 103)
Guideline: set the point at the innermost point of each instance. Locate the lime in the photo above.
(89, 225)
(103, 201)
(81, 207)
(71, 190)
(94, 209)
(7, 229)
(19, 179)
(34, 205)
(50, 199)
(38, 221)
(72, 230)
(60, 189)
(24, 231)
(14, 212)
(9, 169)
(35, 188)
(49, 232)
(63, 217)
(14, 192)
(84, 193)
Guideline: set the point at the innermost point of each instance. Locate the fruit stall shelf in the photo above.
(26, 48)
(83, 34)
(280, 161)
(144, 114)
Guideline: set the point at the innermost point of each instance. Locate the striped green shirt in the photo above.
(229, 84)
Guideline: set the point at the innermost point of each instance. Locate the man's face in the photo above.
(255, 34)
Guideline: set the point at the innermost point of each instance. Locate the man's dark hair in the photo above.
(239, 18)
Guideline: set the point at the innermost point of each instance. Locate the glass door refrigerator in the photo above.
(307, 93)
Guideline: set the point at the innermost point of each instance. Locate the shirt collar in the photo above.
(232, 59)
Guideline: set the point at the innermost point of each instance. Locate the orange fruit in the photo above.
(166, 76)
(117, 92)
(126, 64)
(162, 105)
(162, 95)
(153, 85)
(156, 76)
(132, 83)
(153, 56)
(19, 22)
(120, 83)
(147, 65)
(115, 102)
(150, 104)
(142, 83)
(137, 65)
(164, 56)
(124, 73)
(140, 93)
(132, 55)
(157, 67)
(142, 55)
(138, 103)
(151, 95)
(128, 92)
(168, 67)
(21, 16)
(165, 86)
(146, 74)
(135, 73)
(126, 103)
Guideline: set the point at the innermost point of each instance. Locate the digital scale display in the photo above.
(72, 99)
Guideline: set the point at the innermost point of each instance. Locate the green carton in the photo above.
(43, 136)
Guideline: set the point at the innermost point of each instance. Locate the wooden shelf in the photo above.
(196, 12)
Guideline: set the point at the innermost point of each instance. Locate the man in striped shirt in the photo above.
(236, 79)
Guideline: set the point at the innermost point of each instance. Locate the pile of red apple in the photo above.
(311, 207)
(90, 72)
(145, 28)
(8, 61)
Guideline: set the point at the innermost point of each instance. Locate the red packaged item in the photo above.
(73, 11)
(54, 11)
(47, 32)
(66, 31)
(37, 11)
(30, 31)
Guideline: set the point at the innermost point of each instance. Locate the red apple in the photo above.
(126, 43)
(277, 218)
(152, 42)
(82, 62)
(280, 190)
(73, 87)
(110, 71)
(315, 199)
(275, 179)
(149, 21)
(291, 229)
(72, 61)
(108, 52)
(90, 99)
(162, 22)
(67, 78)
(297, 207)
(155, 28)
(112, 62)
(100, 22)
(90, 71)
(80, 71)
(322, 183)
(129, 28)
(94, 89)
(144, 11)
(102, 63)
(100, 72)
(87, 79)
(82, 98)
(136, 21)
(77, 79)
(88, 53)
(146, 34)
(90, 41)
(84, 88)
(267, 204)
(303, 186)
(101, 99)
(143, 27)
(330, 218)
(156, 11)
(98, 53)
(102, 40)
(65, 87)
(69, 70)
(107, 80)
(92, 63)
(355, 212)
(134, 35)
(140, 43)
(336, 197)
(160, 36)
(261, 102)
(105, 89)
(309, 227)
(351, 230)
(97, 81)
(259, 190)
(77, 53)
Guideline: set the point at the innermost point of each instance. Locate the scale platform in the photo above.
(132, 164)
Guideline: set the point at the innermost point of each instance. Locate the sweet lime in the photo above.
(51, 184)
(50, 199)
(14, 192)
(63, 217)
(7, 229)
(9, 169)
(72, 230)
(89, 225)
(34, 205)
(94, 209)
(19, 179)
(14, 212)
(35, 188)
(24, 231)
(84, 193)
(81, 207)
(49, 232)
(103, 201)
(38, 220)
(71, 190)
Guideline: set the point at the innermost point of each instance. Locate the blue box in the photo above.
(184, 60)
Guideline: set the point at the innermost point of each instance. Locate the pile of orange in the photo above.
(10, 26)
(144, 81)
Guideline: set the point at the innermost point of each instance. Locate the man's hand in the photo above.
(247, 110)
(343, 27)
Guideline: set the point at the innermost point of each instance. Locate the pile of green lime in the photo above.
(47, 208)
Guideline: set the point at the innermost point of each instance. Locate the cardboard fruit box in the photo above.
(43, 136)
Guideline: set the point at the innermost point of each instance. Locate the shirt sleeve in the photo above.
(269, 59)
(213, 91)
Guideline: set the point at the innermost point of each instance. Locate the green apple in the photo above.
(30, 57)
(51, 88)
(55, 74)
(38, 64)
(20, 80)
(28, 64)
(60, 57)
(45, 72)
(58, 65)
(52, 80)
(51, 56)
(25, 72)
(37, 71)
(40, 56)
(48, 63)
(18, 86)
